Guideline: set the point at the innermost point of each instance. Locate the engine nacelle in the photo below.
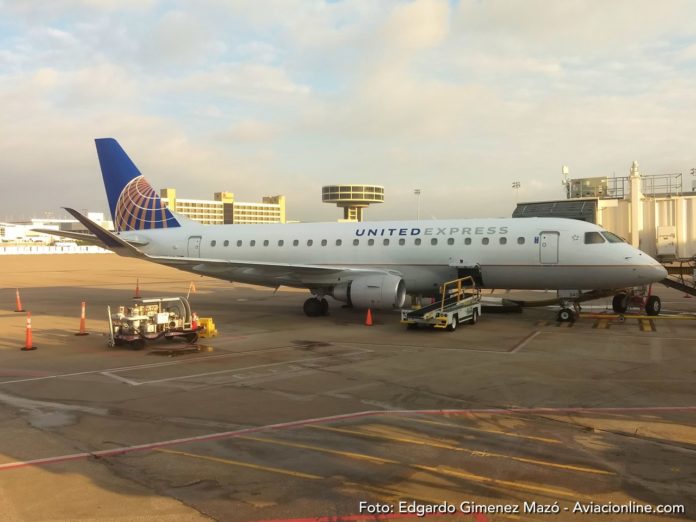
(378, 291)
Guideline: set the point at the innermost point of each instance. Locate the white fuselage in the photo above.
(515, 253)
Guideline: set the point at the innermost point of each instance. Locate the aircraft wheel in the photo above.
(620, 303)
(565, 315)
(474, 317)
(653, 306)
(412, 326)
(312, 307)
(453, 324)
(324, 307)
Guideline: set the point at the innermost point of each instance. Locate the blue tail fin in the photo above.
(133, 202)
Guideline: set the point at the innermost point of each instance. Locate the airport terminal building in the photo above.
(652, 212)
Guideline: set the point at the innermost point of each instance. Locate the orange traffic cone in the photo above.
(28, 344)
(82, 321)
(18, 307)
(368, 318)
(137, 289)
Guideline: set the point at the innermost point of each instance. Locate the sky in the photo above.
(457, 98)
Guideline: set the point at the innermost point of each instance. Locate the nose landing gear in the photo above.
(640, 298)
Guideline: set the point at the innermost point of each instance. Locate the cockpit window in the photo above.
(593, 237)
(613, 238)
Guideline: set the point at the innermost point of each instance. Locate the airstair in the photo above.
(681, 276)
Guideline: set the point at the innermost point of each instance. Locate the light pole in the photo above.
(417, 192)
(516, 185)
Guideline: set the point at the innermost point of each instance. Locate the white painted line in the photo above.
(155, 365)
(119, 378)
(291, 366)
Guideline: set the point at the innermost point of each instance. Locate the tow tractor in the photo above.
(152, 319)
(460, 303)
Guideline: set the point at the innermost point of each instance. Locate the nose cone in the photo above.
(653, 273)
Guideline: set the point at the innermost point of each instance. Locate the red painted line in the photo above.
(335, 418)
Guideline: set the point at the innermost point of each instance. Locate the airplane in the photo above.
(368, 264)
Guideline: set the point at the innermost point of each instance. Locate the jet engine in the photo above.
(378, 291)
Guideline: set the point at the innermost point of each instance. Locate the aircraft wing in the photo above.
(272, 274)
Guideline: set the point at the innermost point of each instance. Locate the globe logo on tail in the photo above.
(140, 208)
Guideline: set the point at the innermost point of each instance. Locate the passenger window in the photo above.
(281, 242)
(296, 242)
(370, 242)
(323, 242)
(265, 242)
(467, 241)
(450, 241)
(485, 240)
(252, 242)
(239, 242)
(385, 242)
(613, 238)
(433, 241)
(402, 241)
(593, 238)
(339, 242)
(520, 240)
(213, 243)
(356, 242)
(310, 242)
(226, 243)
(503, 240)
(417, 241)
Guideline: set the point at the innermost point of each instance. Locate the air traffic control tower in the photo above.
(352, 198)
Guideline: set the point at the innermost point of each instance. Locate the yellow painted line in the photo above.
(384, 491)
(497, 482)
(406, 440)
(602, 324)
(651, 317)
(290, 473)
(349, 454)
(497, 432)
(475, 453)
(646, 325)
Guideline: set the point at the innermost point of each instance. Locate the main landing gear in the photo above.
(640, 298)
(314, 307)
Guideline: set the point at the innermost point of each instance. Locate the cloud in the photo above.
(287, 95)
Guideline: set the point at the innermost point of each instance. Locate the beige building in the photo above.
(223, 209)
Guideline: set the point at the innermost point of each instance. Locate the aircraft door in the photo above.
(548, 247)
(194, 246)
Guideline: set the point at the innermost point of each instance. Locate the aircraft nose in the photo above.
(653, 273)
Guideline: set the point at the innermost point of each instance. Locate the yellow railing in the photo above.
(459, 283)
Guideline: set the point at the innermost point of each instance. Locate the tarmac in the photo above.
(285, 417)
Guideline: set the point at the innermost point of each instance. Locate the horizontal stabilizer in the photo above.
(109, 239)
(79, 236)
